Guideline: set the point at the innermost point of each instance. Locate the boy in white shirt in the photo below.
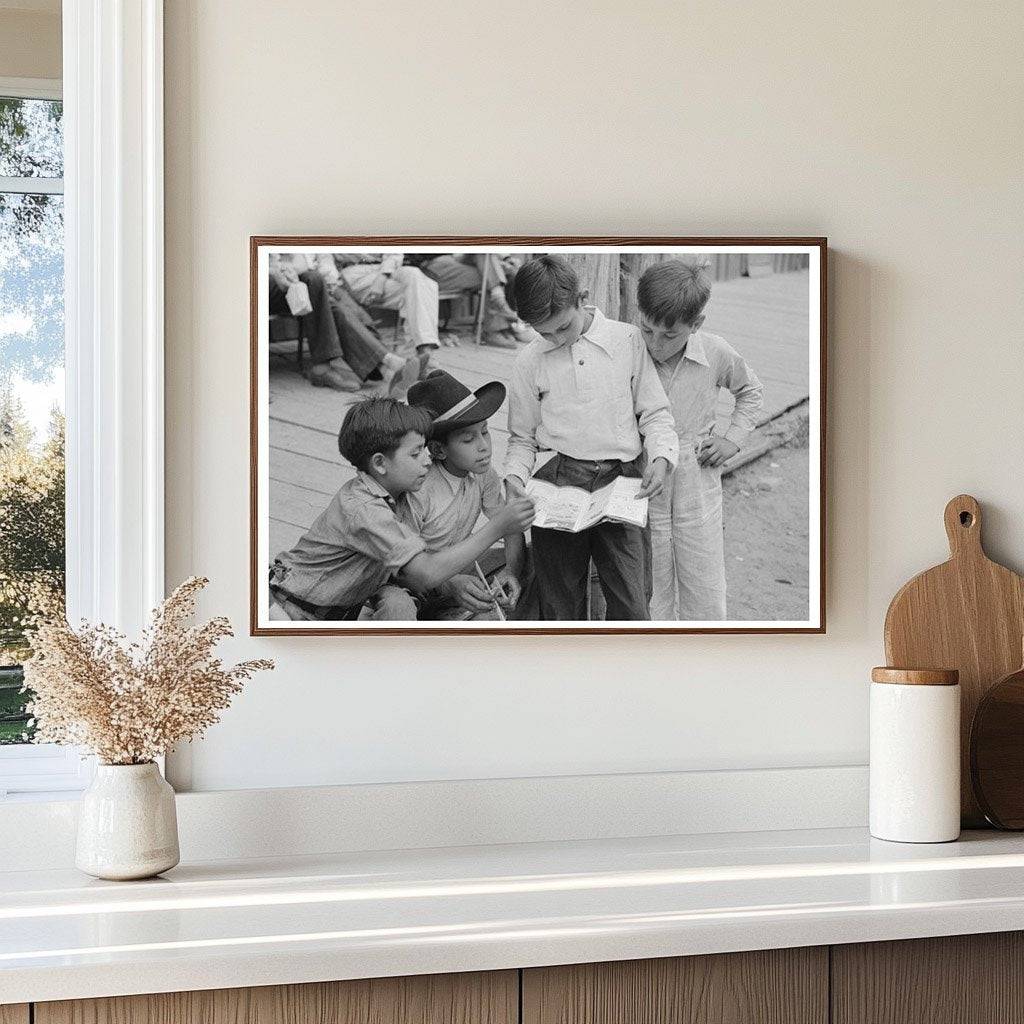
(586, 389)
(687, 538)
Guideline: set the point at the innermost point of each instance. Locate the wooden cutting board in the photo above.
(967, 614)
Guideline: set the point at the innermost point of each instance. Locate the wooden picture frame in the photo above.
(742, 248)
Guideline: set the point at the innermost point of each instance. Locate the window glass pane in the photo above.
(31, 138)
(31, 433)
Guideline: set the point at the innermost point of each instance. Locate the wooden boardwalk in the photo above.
(764, 318)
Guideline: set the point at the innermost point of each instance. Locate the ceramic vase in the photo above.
(127, 825)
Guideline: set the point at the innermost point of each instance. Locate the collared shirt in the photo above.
(708, 364)
(447, 507)
(599, 398)
(352, 549)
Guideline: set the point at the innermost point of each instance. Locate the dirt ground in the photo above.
(765, 511)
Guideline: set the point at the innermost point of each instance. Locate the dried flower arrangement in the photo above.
(130, 703)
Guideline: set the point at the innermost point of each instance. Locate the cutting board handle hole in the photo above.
(966, 519)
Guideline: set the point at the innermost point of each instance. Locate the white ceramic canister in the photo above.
(915, 755)
(127, 825)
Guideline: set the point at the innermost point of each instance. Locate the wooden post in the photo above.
(599, 278)
(633, 265)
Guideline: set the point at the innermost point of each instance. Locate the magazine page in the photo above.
(618, 501)
(558, 508)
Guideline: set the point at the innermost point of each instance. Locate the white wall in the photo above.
(895, 129)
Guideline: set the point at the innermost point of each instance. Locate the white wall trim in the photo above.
(32, 186)
(114, 325)
(113, 90)
(31, 88)
(240, 824)
(44, 770)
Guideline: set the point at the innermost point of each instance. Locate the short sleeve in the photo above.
(375, 531)
(492, 499)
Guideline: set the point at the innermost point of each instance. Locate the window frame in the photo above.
(112, 90)
(32, 88)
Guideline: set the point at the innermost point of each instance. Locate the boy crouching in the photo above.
(351, 555)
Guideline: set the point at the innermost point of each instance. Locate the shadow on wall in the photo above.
(853, 288)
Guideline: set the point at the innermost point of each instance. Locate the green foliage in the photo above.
(31, 546)
(14, 726)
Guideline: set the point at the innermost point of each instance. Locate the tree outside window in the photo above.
(32, 556)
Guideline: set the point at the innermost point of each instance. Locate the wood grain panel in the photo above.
(479, 998)
(14, 1013)
(779, 986)
(962, 979)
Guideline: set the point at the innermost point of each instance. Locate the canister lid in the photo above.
(916, 676)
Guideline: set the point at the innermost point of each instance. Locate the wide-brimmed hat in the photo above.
(451, 404)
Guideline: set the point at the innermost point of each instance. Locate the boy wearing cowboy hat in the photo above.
(363, 540)
(460, 485)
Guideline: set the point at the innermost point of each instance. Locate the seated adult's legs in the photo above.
(363, 349)
(466, 274)
(408, 290)
(327, 367)
(453, 274)
(418, 302)
(319, 327)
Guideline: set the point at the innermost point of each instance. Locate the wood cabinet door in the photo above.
(480, 998)
(777, 986)
(960, 979)
(14, 1013)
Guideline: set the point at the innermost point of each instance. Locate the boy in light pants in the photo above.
(687, 539)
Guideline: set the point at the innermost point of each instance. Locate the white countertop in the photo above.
(261, 922)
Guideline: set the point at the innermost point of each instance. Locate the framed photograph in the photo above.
(537, 435)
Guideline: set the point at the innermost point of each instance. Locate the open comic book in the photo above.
(572, 509)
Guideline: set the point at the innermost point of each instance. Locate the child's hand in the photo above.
(713, 451)
(470, 593)
(516, 516)
(653, 482)
(514, 487)
(508, 589)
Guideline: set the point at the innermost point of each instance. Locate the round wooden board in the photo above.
(997, 752)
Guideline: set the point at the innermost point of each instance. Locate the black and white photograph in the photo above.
(537, 435)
